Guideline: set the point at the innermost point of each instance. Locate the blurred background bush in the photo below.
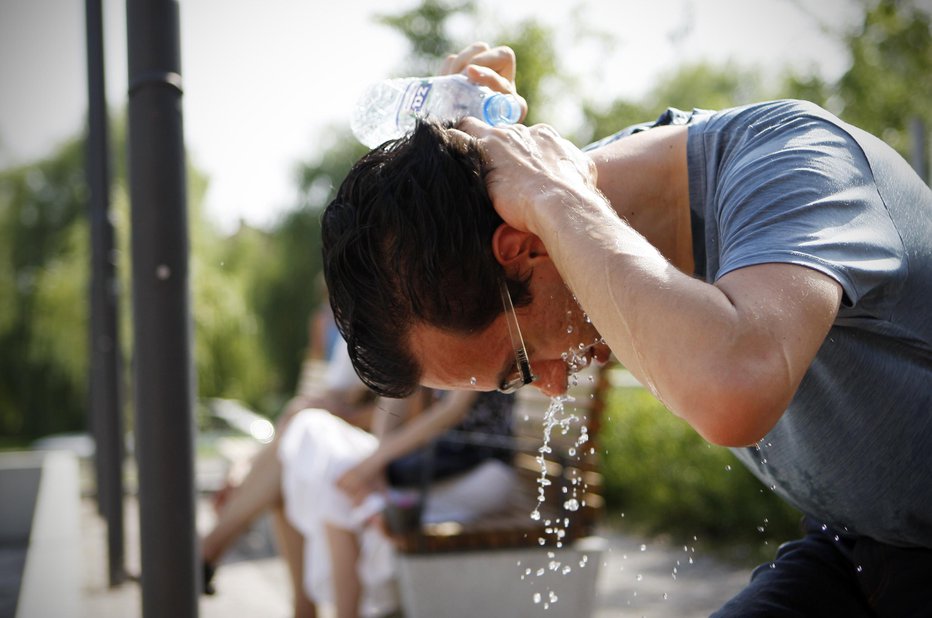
(662, 479)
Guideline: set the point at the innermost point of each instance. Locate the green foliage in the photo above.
(43, 323)
(44, 283)
(425, 28)
(698, 85)
(666, 479)
(890, 79)
(284, 280)
(533, 45)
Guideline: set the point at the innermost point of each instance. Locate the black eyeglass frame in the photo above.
(523, 375)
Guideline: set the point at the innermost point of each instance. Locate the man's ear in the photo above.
(513, 247)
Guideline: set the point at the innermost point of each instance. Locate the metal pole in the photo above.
(164, 378)
(105, 362)
(920, 143)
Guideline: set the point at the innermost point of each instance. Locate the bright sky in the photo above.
(262, 78)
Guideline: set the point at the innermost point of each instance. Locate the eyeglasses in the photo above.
(522, 375)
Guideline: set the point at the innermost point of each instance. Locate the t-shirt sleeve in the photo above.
(803, 195)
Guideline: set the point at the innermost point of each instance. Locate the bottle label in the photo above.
(419, 97)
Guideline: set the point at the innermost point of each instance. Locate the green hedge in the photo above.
(662, 478)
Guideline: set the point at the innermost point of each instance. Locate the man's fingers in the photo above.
(485, 76)
(474, 127)
(456, 63)
(500, 59)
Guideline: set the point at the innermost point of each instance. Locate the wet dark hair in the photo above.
(408, 240)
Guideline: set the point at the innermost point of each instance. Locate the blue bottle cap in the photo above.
(499, 109)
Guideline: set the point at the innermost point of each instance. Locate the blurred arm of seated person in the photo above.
(340, 392)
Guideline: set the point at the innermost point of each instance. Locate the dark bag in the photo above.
(436, 462)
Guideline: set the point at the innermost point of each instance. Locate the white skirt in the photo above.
(315, 449)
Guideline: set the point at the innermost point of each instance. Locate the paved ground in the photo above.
(637, 578)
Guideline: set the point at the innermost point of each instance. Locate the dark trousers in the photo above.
(828, 573)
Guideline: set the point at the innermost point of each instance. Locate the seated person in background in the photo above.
(322, 477)
(333, 477)
(342, 394)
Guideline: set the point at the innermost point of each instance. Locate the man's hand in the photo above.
(531, 169)
(493, 67)
(361, 480)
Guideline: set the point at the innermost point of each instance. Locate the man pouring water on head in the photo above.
(764, 270)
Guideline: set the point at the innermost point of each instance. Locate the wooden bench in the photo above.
(510, 563)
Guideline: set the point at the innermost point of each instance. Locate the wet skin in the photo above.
(554, 328)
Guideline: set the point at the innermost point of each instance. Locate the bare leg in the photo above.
(291, 547)
(344, 554)
(260, 490)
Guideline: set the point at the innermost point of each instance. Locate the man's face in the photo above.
(558, 337)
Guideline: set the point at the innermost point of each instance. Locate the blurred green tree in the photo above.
(890, 80)
(688, 86)
(426, 27)
(43, 321)
(44, 275)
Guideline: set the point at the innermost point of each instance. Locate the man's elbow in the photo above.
(737, 418)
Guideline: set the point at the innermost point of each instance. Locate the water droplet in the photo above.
(537, 597)
(728, 468)
(643, 547)
(571, 505)
(569, 329)
(640, 577)
(163, 272)
(860, 569)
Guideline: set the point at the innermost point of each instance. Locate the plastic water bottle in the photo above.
(388, 109)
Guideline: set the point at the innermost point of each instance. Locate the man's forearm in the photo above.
(715, 355)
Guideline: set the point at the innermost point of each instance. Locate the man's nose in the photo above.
(551, 377)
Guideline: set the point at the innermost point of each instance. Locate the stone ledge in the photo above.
(51, 578)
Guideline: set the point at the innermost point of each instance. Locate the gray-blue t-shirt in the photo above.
(786, 181)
